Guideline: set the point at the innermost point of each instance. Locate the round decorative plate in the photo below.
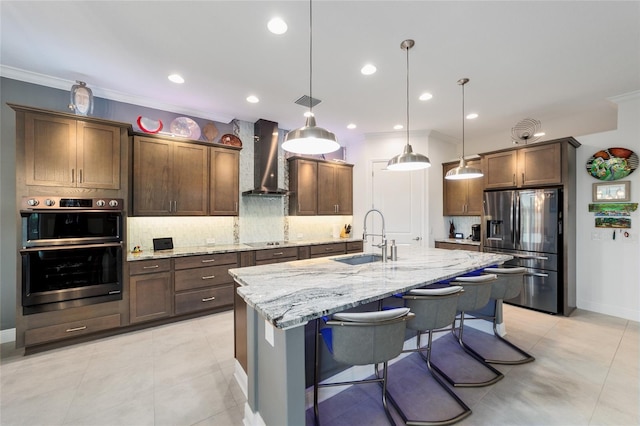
(612, 163)
(148, 125)
(185, 127)
(210, 131)
(230, 139)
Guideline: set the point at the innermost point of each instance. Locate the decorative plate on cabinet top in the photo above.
(149, 125)
(185, 127)
(210, 131)
(612, 163)
(230, 139)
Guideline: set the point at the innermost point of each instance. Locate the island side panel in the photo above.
(276, 379)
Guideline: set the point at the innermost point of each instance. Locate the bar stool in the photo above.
(507, 286)
(434, 308)
(363, 338)
(477, 292)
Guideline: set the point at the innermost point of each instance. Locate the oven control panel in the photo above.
(62, 203)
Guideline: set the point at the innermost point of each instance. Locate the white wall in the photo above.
(608, 275)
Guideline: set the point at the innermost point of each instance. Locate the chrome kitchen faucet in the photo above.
(383, 244)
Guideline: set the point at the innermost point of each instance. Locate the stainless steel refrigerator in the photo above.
(527, 224)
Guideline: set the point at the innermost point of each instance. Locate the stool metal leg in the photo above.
(497, 374)
(316, 373)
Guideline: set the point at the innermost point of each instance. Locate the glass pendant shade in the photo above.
(463, 171)
(310, 139)
(408, 160)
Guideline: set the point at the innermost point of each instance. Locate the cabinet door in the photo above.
(475, 188)
(149, 297)
(50, 150)
(98, 156)
(224, 185)
(540, 165)
(501, 169)
(304, 185)
(190, 179)
(344, 189)
(454, 194)
(152, 159)
(327, 189)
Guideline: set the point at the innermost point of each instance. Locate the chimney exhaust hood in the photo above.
(265, 160)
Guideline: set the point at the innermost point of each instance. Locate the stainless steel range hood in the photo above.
(265, 160)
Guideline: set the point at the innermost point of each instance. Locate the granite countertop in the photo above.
(292, 293)
(226, 248)
(458, 241)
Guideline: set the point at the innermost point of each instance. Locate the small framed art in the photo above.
(611, 191)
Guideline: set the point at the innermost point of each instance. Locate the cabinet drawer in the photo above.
(328, 249)
(149, 266)
(209, 298)
(70, 329)
(354, 246)
(206, 260)
(456, 246)
(188, 279)
(277, 254)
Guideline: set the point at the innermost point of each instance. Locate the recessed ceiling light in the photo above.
(539, 134)
(351, 126)
(472, 116)
(176, 78)
(253, 99)
(398, 127)
(368, 69)
(277, 26)
(425, 96)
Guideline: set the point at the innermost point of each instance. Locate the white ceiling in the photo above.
(541, 59)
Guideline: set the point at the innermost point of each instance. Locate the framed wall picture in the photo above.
(611, 191)
(81, 99)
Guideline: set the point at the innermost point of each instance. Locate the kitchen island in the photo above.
(282, 298)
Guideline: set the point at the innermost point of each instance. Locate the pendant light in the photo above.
(408, 160)
(463, 171)
(310, 139)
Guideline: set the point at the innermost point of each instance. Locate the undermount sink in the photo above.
(360, 259)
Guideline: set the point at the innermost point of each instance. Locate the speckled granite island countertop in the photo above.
(293, 293)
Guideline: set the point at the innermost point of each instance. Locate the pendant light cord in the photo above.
(463, 120)
(408, 47)
(310, 57)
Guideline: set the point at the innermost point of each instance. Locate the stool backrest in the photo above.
(363, 343)
(477, 291)
(509, 283)
(432, 311)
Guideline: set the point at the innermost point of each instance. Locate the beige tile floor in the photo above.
(585, 373)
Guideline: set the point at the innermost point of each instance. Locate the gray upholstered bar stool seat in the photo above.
(434, 309)
(507, 286)
(477, 292)
(364, 338)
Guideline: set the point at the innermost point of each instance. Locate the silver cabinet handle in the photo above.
(151, 267)
(514, 178)
(208, 299)
(170, 206)
(208, 260)
(79, 175)
(73, 175)
(278, 253)
(236, 207)
(208, 277)
(70, 330)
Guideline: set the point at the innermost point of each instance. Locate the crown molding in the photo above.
(63, 84)
(625, 97)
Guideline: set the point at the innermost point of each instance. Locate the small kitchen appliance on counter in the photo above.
(475, 232)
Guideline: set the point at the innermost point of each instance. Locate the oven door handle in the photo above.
(70, 247)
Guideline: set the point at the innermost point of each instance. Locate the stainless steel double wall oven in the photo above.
(71, 252)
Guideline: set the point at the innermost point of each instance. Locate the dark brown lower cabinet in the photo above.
(150, 293)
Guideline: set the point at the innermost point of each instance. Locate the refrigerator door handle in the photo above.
(516, 220)
(536, 274)
(523, 256)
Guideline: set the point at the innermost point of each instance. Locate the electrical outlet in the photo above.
(300, 236)
(211, 241)
(595, 235)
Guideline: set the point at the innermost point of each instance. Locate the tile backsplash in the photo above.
(461, 223)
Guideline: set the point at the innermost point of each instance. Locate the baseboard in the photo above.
(8, 335)
(241, 378)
